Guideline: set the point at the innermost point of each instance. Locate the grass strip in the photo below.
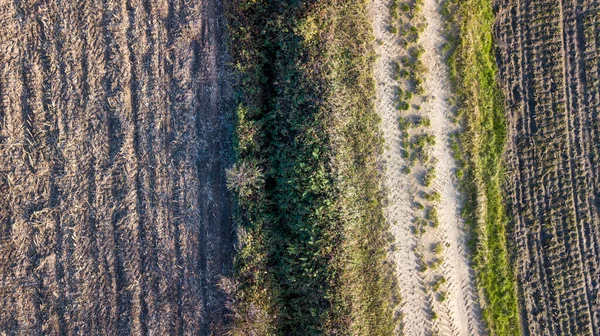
(479, 149)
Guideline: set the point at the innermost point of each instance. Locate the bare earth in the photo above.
(398, 185)
(549, 74)
(459, 314)
(114, 139)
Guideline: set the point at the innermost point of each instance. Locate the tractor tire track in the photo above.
(115, 133)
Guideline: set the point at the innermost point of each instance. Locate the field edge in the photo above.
(479, 149)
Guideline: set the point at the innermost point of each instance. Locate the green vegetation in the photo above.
(437, 284)
(403, 106)
(429, 177)
(432, 197)
(422, 140)
(422, 122)
(438, 248)
(479, 150)
(432, 217)
(436, 263)
(312, 237)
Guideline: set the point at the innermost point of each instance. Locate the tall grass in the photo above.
(312, 236)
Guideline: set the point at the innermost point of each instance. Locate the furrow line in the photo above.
(571, 129)
(148, 174)
(137, 46)
(166, 244)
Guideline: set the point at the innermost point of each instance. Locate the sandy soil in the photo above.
(464, 308)
(459, 314)
(398, 211)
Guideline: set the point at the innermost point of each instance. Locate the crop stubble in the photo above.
(549, 70)
(114, 135)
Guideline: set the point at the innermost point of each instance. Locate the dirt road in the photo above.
(114, 137)
(463, 305)
(423, 311)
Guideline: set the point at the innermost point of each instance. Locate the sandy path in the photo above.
(459, 314)
(398, 211)
(462, 301)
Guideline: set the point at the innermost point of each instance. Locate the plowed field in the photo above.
(549, 67)
(114, 135)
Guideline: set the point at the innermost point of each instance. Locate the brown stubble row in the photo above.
(114, 135)
(548, 61)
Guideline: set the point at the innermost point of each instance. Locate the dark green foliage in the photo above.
(429, 176)
(404, 123)
(432, 217)
(403, 73)
(406, 61)
(422, 140)
(422, 122)
(436, 285)
(293, 214)
(295, 265)
(432, 197)
(416, 51)
(394, 10)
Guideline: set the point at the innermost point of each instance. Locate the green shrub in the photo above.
(438, 283)
(313, 257)
(429, 177)
(432, 217)
(432, 197)
(438, 248)
(403, 106)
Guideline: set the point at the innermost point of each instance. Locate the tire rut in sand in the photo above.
(398, 213)
(438, 289)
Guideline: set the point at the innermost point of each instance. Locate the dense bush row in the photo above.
(312, 254)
